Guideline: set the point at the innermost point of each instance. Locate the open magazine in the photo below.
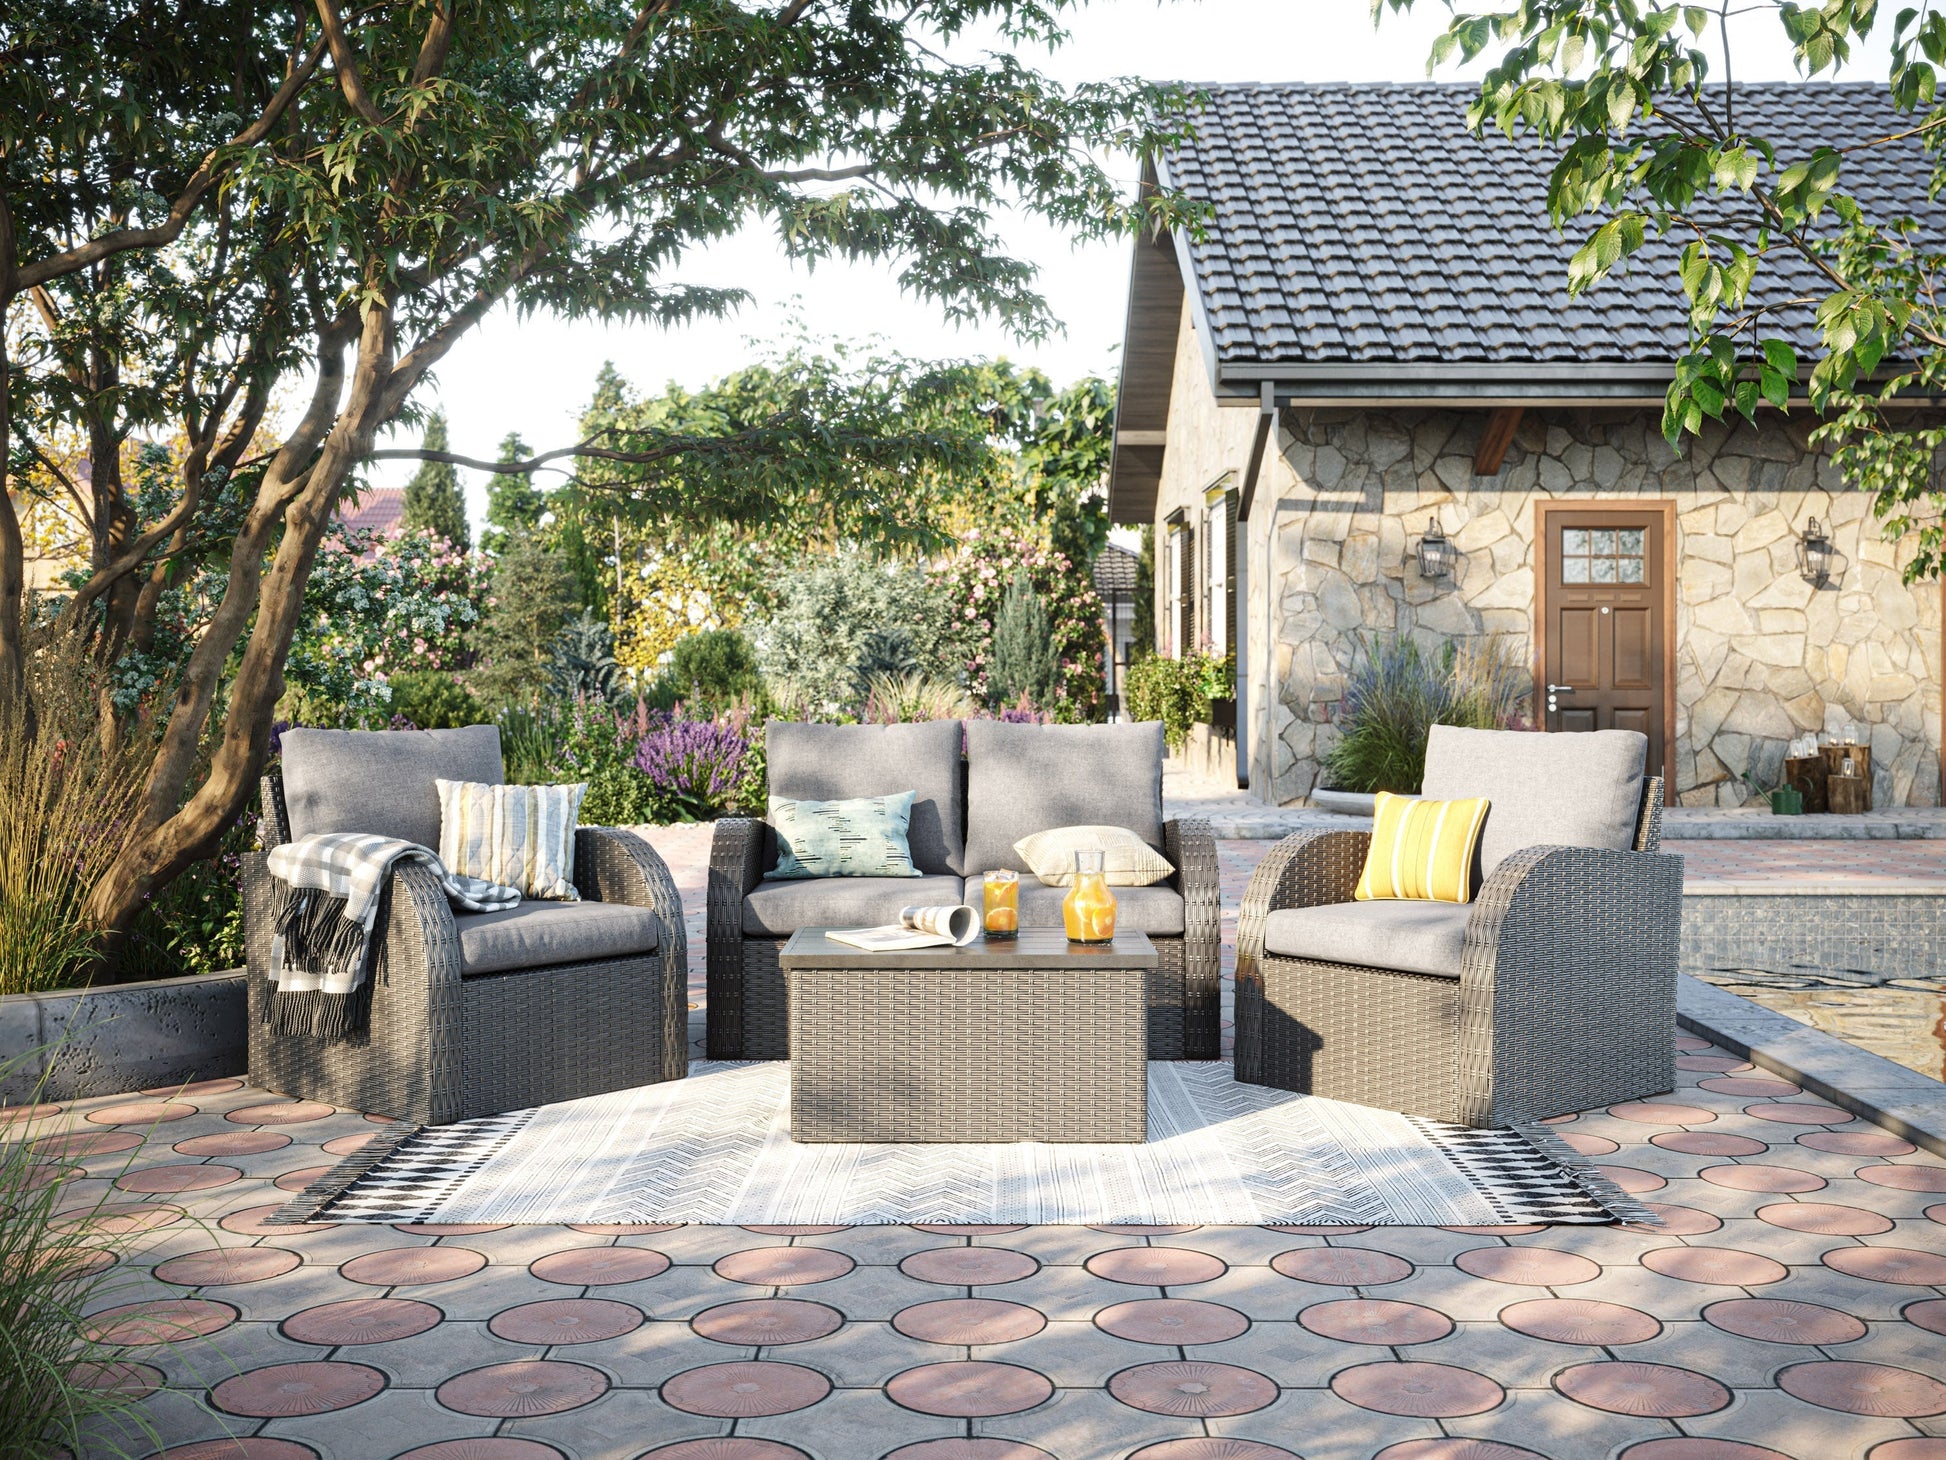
(917, 927)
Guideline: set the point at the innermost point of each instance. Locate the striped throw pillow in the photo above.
(1421, 850)
(519, 836)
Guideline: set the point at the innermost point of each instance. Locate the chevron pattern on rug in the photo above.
(716, 1149)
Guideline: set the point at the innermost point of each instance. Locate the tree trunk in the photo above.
(13, 549)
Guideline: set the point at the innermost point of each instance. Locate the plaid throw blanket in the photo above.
(328, 934)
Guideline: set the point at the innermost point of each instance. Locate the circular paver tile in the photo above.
(1761, 1178)
(399, 1267)
(1541, 1267)
(160, 1320)
(746, 1389)
(1712, 1064)
(221, 1266)
(483, 1447)
(1455, 1448)
(1692, 1447)
(1375, 1320)
(1156, 1267)
(801, 1230)
(1749, 1085)
(282, 1391)
(1192, 1389)
(79, 1144)
(565, 1320)
(138, 1381)
(141, 1112)
(1172, 1320)
(968, 1229)
(1144, 1229)
(1890, 1265)
(1661, 1112)
(735, 1447)
(1724, 1266)
(969, 1321)
(1929, 1314)
(969, 1389)
(1856, 1142)
(281, 1112)
(522, 1388)
(622, 1229)
(345, 1145)
(1855, 1388)
(1424, 1391)
(1580, 1321)
(242, 1447)
(1905, 1178)
(966, 1267)
(1800, 1112)
(595, 1267)
(1707, 1143)
(1824, 1220)
(1936, 1213)
(967, 1449)
(234, 1143)
(171, 1179)
(1342, 1267)
(121, 1219)
(782, 1267)
(361, 1320)
(253, 1222)
(1591, 1145)
(760, 1322)
(1782, 1320)
(1928, 1447)
(1681, 1221)
(1649, 1391)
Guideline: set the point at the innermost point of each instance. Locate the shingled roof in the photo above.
(1365, 247)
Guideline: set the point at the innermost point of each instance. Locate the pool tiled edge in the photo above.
(1888, 1094)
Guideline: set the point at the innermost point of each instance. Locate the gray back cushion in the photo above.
(381, 781)
(1027, 778)
(1564, 790)
(839, 762)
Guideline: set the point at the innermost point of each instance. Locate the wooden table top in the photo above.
(1035, 948)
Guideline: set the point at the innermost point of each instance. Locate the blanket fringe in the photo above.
(315, 935)
(308, 1203)
(1603, 1192)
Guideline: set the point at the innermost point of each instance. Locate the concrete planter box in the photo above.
(132, 1036)
(1345, 803)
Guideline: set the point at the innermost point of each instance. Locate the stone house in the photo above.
(1371, 345)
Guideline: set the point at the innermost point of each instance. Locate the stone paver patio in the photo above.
(1793, 1305)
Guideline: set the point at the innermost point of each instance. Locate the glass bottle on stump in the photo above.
(1088, 911)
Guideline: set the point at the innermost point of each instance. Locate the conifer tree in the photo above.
(1026, 665)
(434, 497)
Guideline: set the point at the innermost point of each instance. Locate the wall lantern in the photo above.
(1815, 555)
(1435, 552)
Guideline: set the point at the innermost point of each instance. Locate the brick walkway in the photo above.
(1793, 1306)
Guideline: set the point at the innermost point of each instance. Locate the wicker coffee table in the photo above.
(1035, 1039)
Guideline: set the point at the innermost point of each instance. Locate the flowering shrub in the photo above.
(695, 766)
(978, 576)
(377, 604)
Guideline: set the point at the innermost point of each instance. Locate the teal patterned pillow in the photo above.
(865, 837)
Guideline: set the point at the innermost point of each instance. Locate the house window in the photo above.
(1180, 598)
(1219, 535)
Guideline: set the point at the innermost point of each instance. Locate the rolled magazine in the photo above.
(917, 927)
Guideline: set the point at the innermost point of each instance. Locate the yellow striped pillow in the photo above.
(1421, 850)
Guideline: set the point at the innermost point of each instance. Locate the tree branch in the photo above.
(345, 61)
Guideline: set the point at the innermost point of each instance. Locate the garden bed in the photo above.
(133, 1036)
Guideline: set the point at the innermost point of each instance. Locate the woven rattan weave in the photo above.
(442, 1047)
(1032, 1040)
(1566, 998)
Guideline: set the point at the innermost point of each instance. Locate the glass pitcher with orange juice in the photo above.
(1001, 910)
(1088, 911)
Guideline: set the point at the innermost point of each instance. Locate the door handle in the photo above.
(1553, 690)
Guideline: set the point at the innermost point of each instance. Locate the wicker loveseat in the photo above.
(1554, 990)
(472, 1014)
(969, 808)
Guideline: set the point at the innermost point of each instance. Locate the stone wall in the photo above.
(1761, 655)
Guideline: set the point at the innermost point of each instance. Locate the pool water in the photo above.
(1903, 1019)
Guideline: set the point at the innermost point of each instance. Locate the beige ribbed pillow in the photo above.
(1130, 861)
(518, 836)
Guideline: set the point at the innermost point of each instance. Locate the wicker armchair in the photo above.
(748, 1009)
(1564, 997)
(445, 1044)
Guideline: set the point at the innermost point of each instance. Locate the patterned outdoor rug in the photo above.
(716, 1148)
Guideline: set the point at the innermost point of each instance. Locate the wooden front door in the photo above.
(1604, 619)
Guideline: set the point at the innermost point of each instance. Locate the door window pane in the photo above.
(1604, 555)
(1574, 570)
(1604, 570)
(1574, 542)
(1605, 542)
(1631, 569)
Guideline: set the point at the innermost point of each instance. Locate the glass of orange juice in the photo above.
(1001, 891)
(1088, 911)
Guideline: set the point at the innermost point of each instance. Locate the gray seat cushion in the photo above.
(1155, 910)
(840, 762)
(542, 934)
(1027, 778)
(381, 781)
(1412, 937)
(777, 909)
(1563, 790)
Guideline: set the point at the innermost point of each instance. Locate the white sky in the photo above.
(535, 375)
